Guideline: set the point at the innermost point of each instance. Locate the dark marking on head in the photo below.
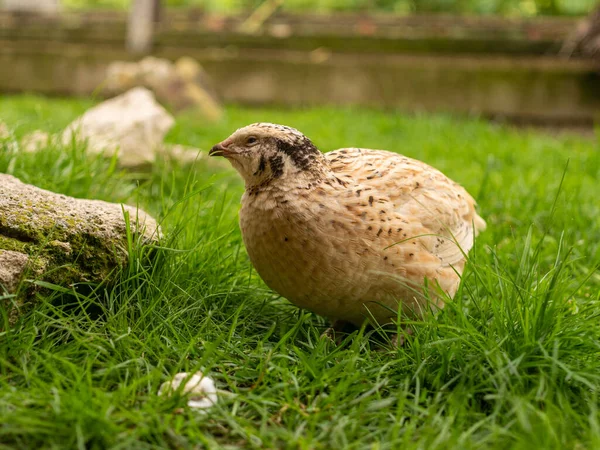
(358, 193)
(370, 200)
(261, 165)
(385, 258)
(301, 151)
(379, 232)
(276, 164)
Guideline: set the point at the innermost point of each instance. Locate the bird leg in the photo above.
(336, 330)
(398, 340)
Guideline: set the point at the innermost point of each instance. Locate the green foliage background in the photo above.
(504, 7)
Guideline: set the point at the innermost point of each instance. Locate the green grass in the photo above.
(512, 362)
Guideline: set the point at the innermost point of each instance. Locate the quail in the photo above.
(353, 235)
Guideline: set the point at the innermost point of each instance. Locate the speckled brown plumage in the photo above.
(351, 234)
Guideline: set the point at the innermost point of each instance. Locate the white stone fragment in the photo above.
(200, 389)
(35, 141)
(4, 131)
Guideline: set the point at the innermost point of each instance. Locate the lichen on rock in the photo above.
(61, 239)
(12, 267)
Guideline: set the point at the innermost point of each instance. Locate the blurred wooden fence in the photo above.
(489, 66)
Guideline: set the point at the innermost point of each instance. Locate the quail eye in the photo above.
(251, 140)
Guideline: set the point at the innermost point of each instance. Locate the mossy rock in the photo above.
(62, 240)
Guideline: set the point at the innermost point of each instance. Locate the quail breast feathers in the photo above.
(354, 234)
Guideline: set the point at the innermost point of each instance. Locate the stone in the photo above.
(35, 141)
(63, 240)
(120, 77)
(199, 389)
(132, 125)
(154, 72)
(4, 131)
(12, 268)
(198, 89)
(180, 86)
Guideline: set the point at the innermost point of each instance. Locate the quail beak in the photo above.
(219, 150)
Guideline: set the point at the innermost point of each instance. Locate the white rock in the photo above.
(180, 86)
(4, 131)
(155, 71)
(200, 389)
(132, 124)
(35, 141)
(120, 77)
